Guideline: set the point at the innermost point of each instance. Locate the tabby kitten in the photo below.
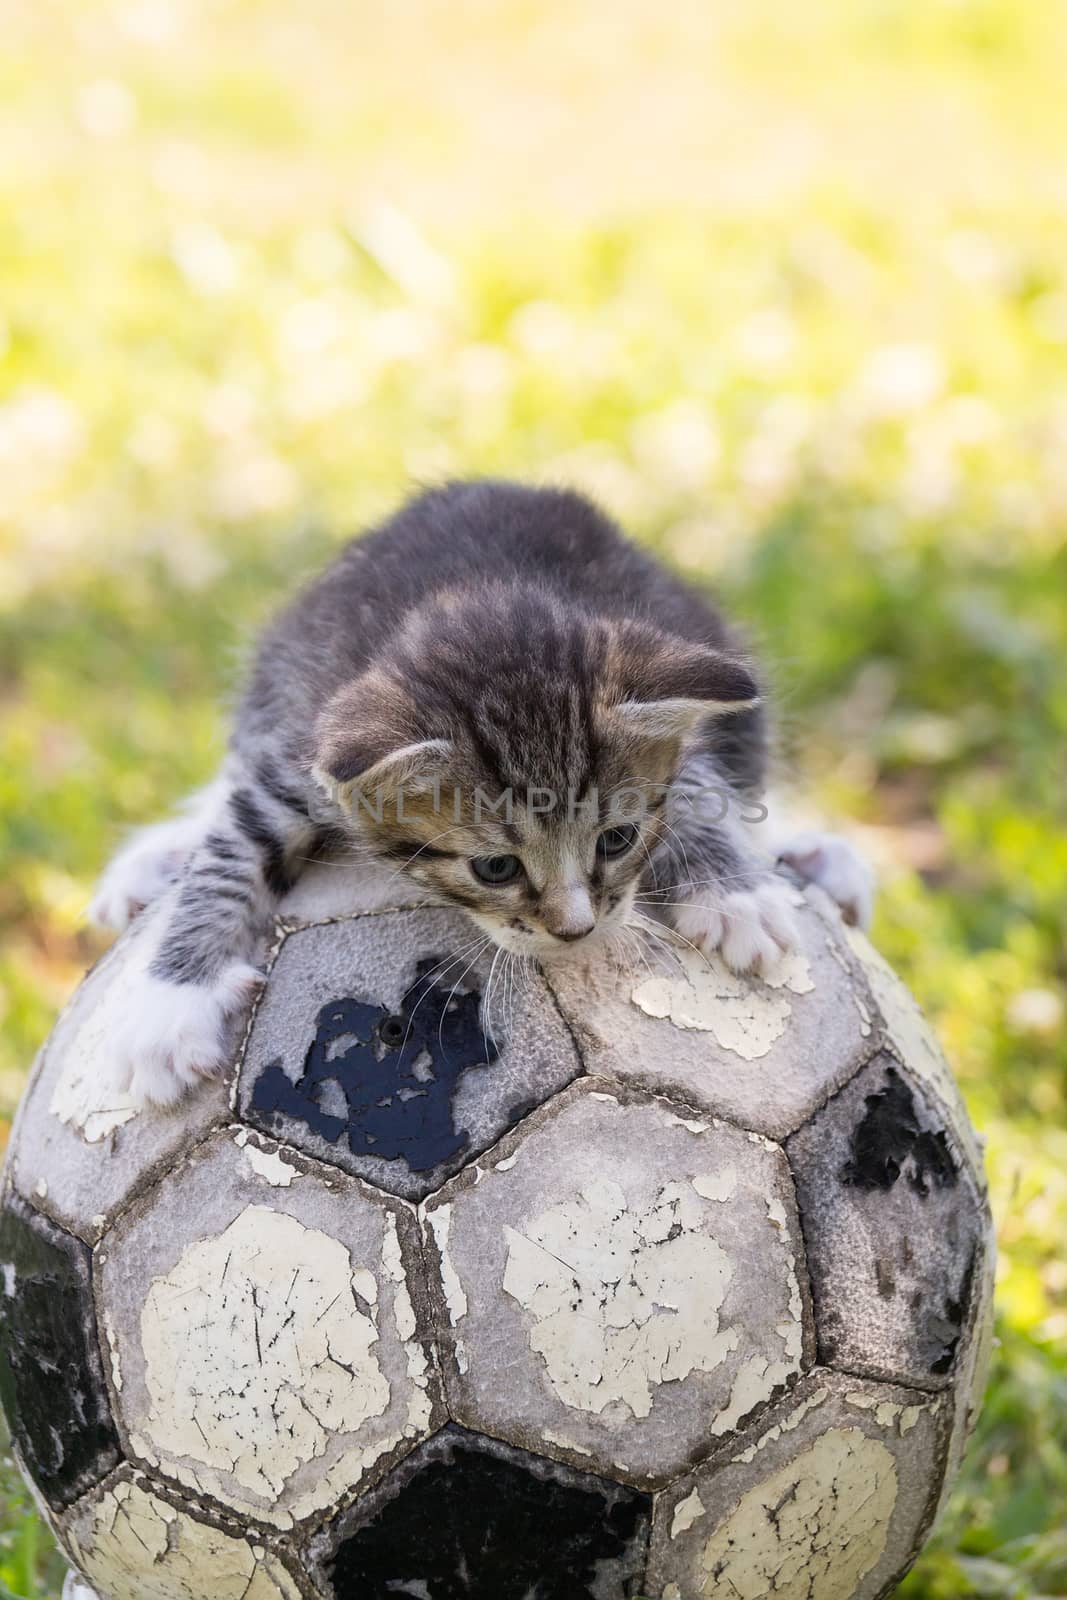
(499, 694)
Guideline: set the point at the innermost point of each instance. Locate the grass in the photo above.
(783, 286)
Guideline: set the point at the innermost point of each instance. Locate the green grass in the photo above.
(784, 286)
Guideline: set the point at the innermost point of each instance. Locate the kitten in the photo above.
(499, 694)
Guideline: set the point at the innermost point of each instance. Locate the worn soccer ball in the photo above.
(632, 1279)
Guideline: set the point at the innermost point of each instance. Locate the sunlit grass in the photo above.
(783, 286)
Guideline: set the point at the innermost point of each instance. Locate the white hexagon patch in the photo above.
(133, 1545)
(638, 1317)
(275, 1359)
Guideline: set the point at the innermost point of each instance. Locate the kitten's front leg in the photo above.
(152, 858)
(178, 1023)
(718, 896)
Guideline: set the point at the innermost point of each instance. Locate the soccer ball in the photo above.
(628, 1278)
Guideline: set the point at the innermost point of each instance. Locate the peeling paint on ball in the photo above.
(814, 1527)
(135, 1545)
(743, 1016)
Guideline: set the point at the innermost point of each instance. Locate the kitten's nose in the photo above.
(567, 912)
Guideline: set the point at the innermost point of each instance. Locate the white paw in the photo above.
(75, 1588)
(173, 1035)
(838, 868)
(139, 874)
(751, 929)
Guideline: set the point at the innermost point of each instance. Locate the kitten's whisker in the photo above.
(349, 855)
(505, 974)
(640, 900)
(446, 962)
(406, 865)
(746, 879)
(648, 856)
(705, 900)
(521, 971)
(613, 941)
(653, 899)
(681, 842)
(502, 981)
(444, 1009)
(659, 944)
(635, 935)
(666, 937)
(510, 969)
(360, 853)
(673, 934)
(487, 997)
(706, 896)
(627, 946)
(743, 876)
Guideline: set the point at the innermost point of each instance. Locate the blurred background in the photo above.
(783, 285)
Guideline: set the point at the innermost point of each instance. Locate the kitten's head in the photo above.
(512, 754)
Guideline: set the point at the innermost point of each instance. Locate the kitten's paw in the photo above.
(750, 928)
(839, 870)
(139, 874)
(173, 1035)
(76, 1588)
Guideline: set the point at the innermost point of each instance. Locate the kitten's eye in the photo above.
(496, 869)
(616, 841)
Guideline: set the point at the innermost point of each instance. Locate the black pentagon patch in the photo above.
(383, 1082)
(893, 1229)
(889, 1143)
(374, 1048)
(51, 1379)
(467, 1518)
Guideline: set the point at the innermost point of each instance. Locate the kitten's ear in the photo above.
(366, 743)
(674, 685)
(411, 770)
